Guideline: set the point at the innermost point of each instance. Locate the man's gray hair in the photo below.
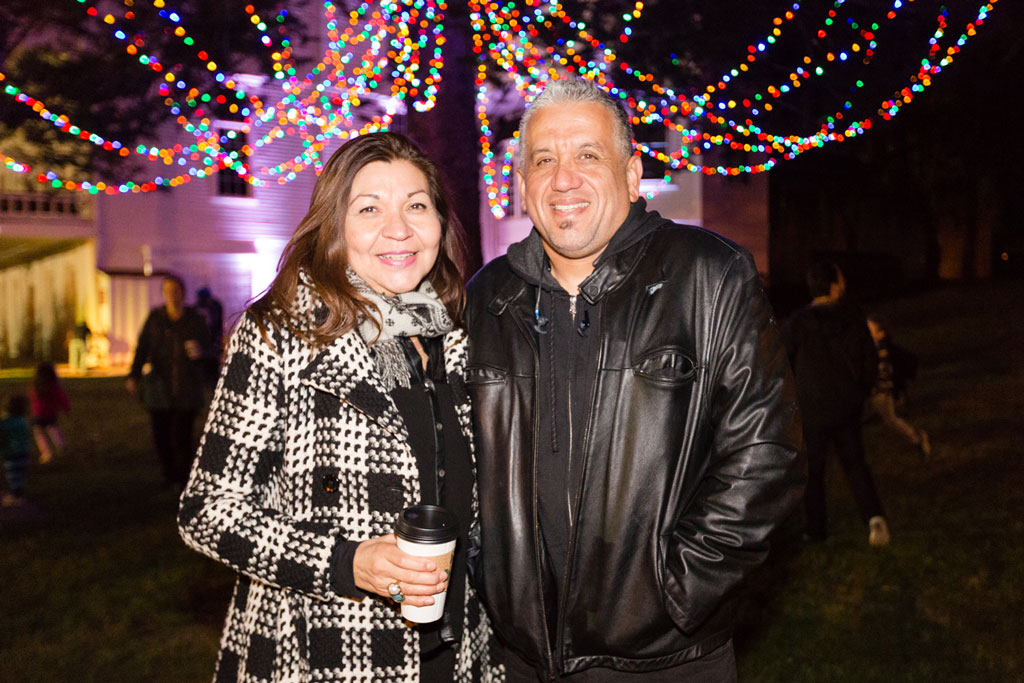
(563, 91)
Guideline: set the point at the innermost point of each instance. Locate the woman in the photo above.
(340, 404)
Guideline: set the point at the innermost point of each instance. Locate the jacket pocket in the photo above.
(667, 366)
(477, 375)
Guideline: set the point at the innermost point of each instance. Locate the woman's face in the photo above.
(392, 229)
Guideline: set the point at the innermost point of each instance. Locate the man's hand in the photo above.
(193, 350)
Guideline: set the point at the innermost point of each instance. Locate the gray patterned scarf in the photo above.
(416, 313)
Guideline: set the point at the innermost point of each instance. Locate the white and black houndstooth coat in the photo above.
(297, 452)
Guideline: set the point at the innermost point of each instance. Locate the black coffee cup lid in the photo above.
(427, 524)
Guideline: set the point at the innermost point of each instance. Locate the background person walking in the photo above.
(48, 402)
(883, 394)
(171, 345)
(835, 364)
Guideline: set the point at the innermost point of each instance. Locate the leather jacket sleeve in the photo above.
(751, 479)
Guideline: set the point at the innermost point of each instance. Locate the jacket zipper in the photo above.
(563, 599)
(552, 668)
(568, 489)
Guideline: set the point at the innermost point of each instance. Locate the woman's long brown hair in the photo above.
(318, 247)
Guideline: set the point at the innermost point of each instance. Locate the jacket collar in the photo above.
(346, 369)
(528, 260)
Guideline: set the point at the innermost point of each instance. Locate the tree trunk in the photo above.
(448, 132)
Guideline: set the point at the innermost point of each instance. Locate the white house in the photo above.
(99, 258)
(111, 251)
(68, 258)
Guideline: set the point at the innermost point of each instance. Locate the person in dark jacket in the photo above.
(212, 312)
(635, 418)
(166, 375)
(835, 364)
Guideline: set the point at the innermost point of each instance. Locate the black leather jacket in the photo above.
(690, 454)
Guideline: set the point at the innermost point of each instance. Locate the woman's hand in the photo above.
(378, 563)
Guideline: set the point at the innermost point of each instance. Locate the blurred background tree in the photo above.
(64, 55)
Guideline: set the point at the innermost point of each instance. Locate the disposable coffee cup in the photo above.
(428, 532)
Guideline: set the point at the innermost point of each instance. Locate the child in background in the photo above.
(48, 401)
(883, 395)
(15, 447)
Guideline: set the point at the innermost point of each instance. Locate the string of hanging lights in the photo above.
(390, 55)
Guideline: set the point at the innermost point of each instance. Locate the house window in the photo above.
(229, 183)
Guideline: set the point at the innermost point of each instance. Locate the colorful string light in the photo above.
(382, 58)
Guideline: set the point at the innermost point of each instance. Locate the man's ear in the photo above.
(521, 178)
(634, 172)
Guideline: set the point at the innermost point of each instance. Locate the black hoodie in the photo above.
(568, 347)
(834, 361)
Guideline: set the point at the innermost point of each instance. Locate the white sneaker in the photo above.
(878, 531)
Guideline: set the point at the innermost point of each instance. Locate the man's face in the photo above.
(174, 297)
(575, 183)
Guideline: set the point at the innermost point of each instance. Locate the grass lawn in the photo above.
(95, 584)
(944, 601)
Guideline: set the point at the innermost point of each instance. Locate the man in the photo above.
(835, 363)
(171, 344)
(635, 426)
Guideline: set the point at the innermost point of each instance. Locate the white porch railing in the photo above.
(38, 205)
